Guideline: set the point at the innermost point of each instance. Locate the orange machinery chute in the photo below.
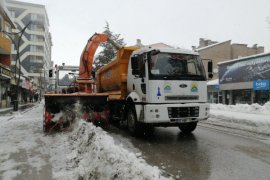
(85, 81)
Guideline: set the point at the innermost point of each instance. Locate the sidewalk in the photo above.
(21, 107)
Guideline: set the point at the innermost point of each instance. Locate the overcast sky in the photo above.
(175, 22)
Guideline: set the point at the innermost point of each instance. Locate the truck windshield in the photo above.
(176, 66)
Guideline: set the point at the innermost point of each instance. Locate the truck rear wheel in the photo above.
(132, 122)
(188, 127)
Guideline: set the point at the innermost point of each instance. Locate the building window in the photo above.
(33, 48)
(34, 17)
(38, 49)
(8, 27)
(36, 59)
(35, 27)
(33, 37)
(12, 14)
(36, 38)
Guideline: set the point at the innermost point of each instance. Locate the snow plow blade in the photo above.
(60, 110)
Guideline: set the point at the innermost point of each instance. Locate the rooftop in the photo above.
(212, 45)
(245, 58)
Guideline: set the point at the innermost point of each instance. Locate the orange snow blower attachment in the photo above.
(79, 95)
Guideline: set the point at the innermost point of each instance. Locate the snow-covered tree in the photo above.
(108, 52)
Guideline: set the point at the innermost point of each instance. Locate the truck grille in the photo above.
(182, 112)
(171, 98)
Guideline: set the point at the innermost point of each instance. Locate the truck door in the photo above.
(139, 78)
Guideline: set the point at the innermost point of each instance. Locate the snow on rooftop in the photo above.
(212, 45)
(160, 45)
(245, 58)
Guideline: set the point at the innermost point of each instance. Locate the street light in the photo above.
(17, 60)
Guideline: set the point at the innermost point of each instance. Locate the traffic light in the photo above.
(50, 73)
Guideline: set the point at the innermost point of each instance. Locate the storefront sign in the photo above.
(5, 72)
(26, 84)
(245, 70)
(261, 85)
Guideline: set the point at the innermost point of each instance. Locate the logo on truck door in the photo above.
(194, 87)
(167, 88)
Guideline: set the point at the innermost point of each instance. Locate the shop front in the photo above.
(245, 80)
(261, 89)
(214, 94)
(5, 77)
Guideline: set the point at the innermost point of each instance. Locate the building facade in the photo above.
(36, 43)
(222, 51)
(245, 80)
(5, 57)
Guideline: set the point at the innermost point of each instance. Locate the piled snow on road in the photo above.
(95, 156)
(86, 152)
(254, 118)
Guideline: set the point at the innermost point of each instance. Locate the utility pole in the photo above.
(40, 85)
(17, 61)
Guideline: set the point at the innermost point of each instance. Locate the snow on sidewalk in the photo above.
(87, 152)
(253, 118)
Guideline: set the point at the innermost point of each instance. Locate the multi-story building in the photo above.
(223, 51)
(36, 43)
(245, 80)
(219, 52)
(5, 56)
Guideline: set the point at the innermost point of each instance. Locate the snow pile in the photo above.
(20, 135)
(253, 118)
(95, 156)
(244, 108)
(87, 152)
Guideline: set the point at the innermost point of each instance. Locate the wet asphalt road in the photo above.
(208, 153)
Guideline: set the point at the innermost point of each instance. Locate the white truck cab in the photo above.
(167, 87)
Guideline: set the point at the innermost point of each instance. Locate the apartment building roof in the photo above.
(212, 45)
(10, 2)
(6, 16)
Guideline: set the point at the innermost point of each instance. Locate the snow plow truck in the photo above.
(142, 87)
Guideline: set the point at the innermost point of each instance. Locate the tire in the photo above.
(132, 123)
(187, 128)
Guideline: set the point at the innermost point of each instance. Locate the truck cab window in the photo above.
(174, 66)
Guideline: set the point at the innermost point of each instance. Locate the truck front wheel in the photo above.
(132, 122)
(188, 127)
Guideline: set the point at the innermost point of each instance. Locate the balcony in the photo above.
(5, 44)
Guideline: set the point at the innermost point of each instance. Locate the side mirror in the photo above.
(135, 65)
(134, 62)
(135, 72)
(210, 69)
